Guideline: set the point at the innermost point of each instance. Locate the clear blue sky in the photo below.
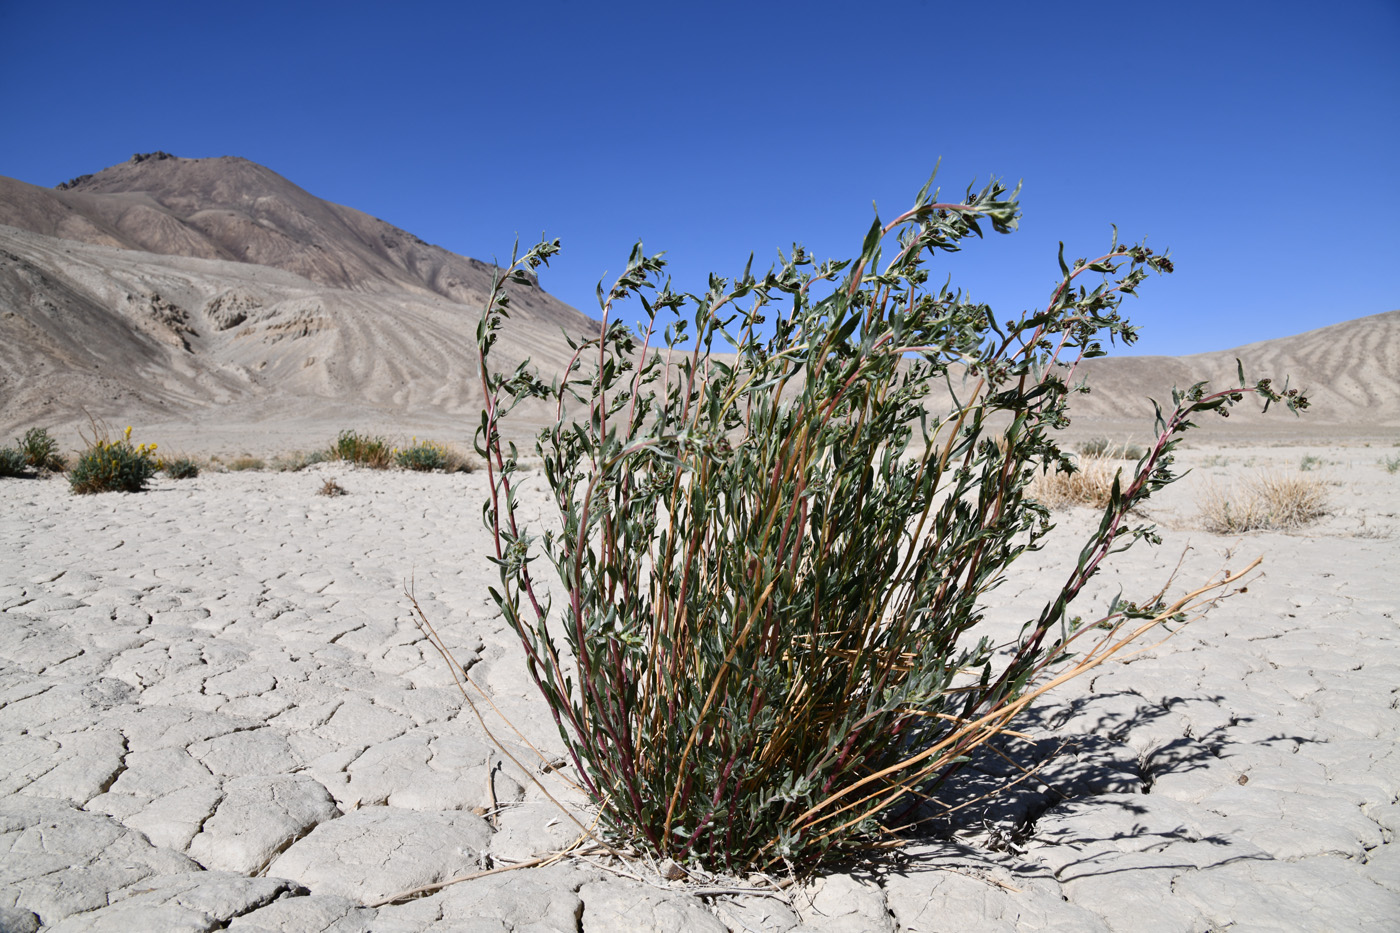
(1260, 141)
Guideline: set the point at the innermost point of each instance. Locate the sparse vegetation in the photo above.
(362, 450)
(1309, 462)
(40, 451)
(1268, 502)
(430, 455)
(181, 468)
(421, 456)
(12, 462)
(113, 466)
(770, 555)
(331, 488)
(296, 461)
(1088, 482)
(1104, 448)
(240, 464)
(1391, 464)
(458, 462)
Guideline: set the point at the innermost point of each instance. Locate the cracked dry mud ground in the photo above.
(217, 713)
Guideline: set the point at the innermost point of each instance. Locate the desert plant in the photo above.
(331, 488)
(362, 450)
(1391, 464)
(1309, 462)
(241, 464)
(40, 450)
(1267, 502)
(181, 468)
(1095, 447)
(1103, 447)
(12, 462)
(296, 461)
(458, 462)
(422, 456)
(1089, 482)
(772, 560)
(113, 466)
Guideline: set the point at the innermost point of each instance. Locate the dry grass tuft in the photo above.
(297, 461)
(1091, 484)
(1268, 502)
(459, 462)
(1103, 447)
(331, 488)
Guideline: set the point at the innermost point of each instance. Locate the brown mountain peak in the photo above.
(233, 209)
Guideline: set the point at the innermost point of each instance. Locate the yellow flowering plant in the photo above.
(421, 456)
(113, 465)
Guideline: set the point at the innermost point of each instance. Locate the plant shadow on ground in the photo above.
(989, 811)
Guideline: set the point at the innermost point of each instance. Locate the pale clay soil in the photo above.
(216, 712)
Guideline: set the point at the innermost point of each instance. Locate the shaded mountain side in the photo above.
(133, 336)
(232, 209)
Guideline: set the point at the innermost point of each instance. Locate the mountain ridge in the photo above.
(189, 292)
(1350, 372)
(230, 208)
(221, 301)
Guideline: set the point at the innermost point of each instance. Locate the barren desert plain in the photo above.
(218, 712)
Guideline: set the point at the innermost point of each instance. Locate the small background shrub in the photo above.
(422, 456)
(12, 462)
(113, 466)
(1391, 464)
(40, 451)
(1095, 447)
(181, 468)
(296, 461)
(1268, 502)
(239, 464)
(430, 455)
(362, 450)
(331, 488)
(1309, 462)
